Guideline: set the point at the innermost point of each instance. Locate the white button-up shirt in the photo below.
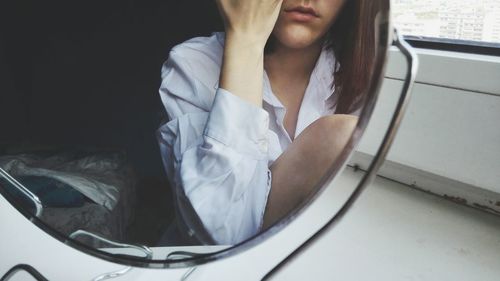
(217, 148)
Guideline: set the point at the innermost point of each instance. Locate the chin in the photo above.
(296, 37)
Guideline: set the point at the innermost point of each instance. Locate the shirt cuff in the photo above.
(238, 124)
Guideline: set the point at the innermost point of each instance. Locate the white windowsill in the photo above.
(398, 233)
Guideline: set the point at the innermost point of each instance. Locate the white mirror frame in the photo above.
(22, 242)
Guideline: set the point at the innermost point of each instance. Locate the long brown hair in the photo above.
(352, 39)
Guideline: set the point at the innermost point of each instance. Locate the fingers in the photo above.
(253, 18)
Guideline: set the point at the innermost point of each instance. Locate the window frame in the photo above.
(454, 45)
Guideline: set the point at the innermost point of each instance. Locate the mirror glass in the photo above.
(143, 128)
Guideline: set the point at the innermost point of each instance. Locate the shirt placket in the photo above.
(278, 108)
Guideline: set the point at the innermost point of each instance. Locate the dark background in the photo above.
(87, 73)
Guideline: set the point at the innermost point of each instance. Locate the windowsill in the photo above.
(398, 233)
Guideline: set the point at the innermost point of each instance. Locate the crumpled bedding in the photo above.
(90, 175)
(106, 179)
(49, 191)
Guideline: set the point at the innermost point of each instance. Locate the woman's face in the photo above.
(303, 22)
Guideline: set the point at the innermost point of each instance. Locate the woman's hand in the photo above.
(248, 24)
(250, 20)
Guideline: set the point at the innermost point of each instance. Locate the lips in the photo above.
(301, 13)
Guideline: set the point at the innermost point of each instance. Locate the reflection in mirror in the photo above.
(256, 121)
(255, 107)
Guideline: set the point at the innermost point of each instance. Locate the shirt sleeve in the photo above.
(214, 149)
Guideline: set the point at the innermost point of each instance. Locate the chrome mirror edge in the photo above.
(146, 250)
(114, 274)
(32, 197)
(26, 268)
(412, 67)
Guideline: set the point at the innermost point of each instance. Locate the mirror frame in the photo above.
(384, 25)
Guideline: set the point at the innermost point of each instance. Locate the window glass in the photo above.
(457, 21)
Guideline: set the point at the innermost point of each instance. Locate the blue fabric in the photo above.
(51, 192)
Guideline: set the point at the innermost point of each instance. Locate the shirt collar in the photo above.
(269, 97)
(323, 71)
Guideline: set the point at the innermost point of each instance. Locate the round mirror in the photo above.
(160, 131)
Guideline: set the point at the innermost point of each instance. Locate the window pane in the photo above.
(468, 20)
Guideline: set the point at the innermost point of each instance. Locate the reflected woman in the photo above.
(259, 113)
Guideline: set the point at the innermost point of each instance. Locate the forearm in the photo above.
(243, 68)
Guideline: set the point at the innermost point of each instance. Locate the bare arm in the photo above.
(248, 25)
